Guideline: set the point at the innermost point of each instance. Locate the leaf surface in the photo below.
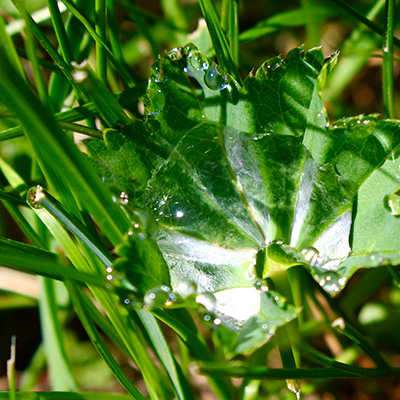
(230, 171)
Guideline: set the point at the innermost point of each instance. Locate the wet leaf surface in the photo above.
(227, 172)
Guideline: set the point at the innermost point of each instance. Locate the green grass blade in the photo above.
(115, 42)
(46, 44)
(43, 63)
(60, 372)
(59, 156)
(312, 30)
(359, 17)
(38, 198)
(119, 316)
(164, 353)
(24, 257)
(9, 48)
(60, 32)
(30, 46)
(175, 15)
(125, 75)
(387, 67)
(220, 43)
(359, 339)
(138, 19)
(352, 61)
(101, 30)
(90, 328)
(107, 105)
(230, 25)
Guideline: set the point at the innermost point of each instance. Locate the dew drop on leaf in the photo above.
(159, 297)
(312, 256)
(392, 204)
(330, 281)
(215, 78)
(199, 61)
(175, 54)
(207, 300)
(186, 288)
(152, 126)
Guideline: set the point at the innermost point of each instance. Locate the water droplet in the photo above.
(199, 61)
(215, 78)
(375, 260)
(330, 281)
(35, 195)
(159, 297)
(311, 255)
(152, 126)
(179, 214)
(124, 198)
(250, 273)
(207, 300)
(189, 49)
(207, 318)
(217, 321)
(186, 288)
(158, 72)
(175, 54)
(273, 64)
(392, 204)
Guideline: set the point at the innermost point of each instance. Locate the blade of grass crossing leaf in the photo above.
(165, 355)
(9, 48)
(60, 372)
(387, 67)
(90, 328)
(67, 163)
(59, 30)
(218, 38)
(101, 30)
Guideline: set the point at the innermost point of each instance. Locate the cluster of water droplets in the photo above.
(359, 127)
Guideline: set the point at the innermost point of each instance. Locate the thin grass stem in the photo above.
(387, 66)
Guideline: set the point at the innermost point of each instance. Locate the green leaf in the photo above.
(140, 257)
(248, 169)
